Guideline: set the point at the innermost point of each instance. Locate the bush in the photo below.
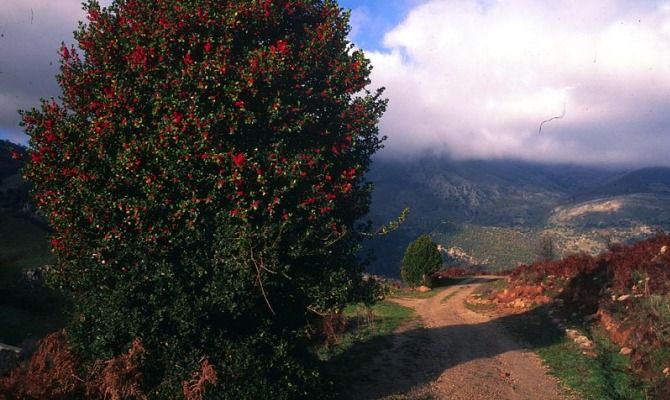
(421, 261)
(203, 175)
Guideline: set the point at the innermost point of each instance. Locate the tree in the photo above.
(421, 261)
(203, 175)
(546, 250)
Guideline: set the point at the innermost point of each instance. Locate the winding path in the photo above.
(456, 354)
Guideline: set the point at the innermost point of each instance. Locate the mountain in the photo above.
(13, 189)
(496, 211)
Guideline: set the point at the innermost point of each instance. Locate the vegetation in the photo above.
(29, 309)
(203, 176)
(625, 291)
(603, 376)
(493, 248)
(367, 331)
(421, 261)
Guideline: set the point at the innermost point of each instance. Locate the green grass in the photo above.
(388, 316)
(25, 311)
(604, 376)
(362, 342)
(415, 294)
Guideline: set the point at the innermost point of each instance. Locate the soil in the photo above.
(455, 354)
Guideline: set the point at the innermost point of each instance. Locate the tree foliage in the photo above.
(203, 174)
(421, 261)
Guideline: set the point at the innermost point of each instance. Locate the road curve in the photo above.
(456, 354)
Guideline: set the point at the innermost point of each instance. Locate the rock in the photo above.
(664, 249)
(666, 371)
(572, 334)
(584, 343)
(423, 289)
(625, 351)
(623, 297)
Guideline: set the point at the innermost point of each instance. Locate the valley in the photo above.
(496, 212)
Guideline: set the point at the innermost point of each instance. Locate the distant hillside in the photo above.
(646, 180)
(9, 166)
(13, 189)
(497, 202)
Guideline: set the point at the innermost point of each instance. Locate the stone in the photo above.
(572, 333)
(625, 351)
(423, 289)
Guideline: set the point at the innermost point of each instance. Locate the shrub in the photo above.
(421, 261)
(203, 175)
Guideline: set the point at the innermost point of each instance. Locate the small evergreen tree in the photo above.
(203, 175)
(421, 261)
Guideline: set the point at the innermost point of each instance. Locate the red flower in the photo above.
(281, 46)
(239, 104)
(207, 47)
(15, 155)
(239, 159)
(187, 59)
(36, 158)
(177, 117)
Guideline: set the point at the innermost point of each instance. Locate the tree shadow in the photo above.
(396, 363)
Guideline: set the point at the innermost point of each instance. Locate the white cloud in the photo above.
(31, 32)
(477, 81)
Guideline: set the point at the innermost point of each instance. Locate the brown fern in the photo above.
(194, 389)
(120, 377)
(51, 373)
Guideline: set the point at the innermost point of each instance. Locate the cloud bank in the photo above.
(31, 32)
(475, 80)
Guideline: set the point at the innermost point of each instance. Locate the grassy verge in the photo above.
(442, 285)
(605, 376)
(367, 332)
(362, 340)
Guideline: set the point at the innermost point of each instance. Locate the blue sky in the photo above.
(371, 19)
(464, 78)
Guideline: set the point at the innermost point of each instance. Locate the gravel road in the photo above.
(456, 354)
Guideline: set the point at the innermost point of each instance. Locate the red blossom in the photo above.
(239, 104)
(207, 47)
(187, 59)
(281, 46)
(15, 155)
(239, 159)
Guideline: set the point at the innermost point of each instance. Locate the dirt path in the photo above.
(457, 354)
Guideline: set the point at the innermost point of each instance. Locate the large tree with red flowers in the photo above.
(203, 176)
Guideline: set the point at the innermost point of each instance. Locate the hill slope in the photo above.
(481, 205)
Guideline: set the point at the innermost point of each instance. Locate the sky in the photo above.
(464, 78)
